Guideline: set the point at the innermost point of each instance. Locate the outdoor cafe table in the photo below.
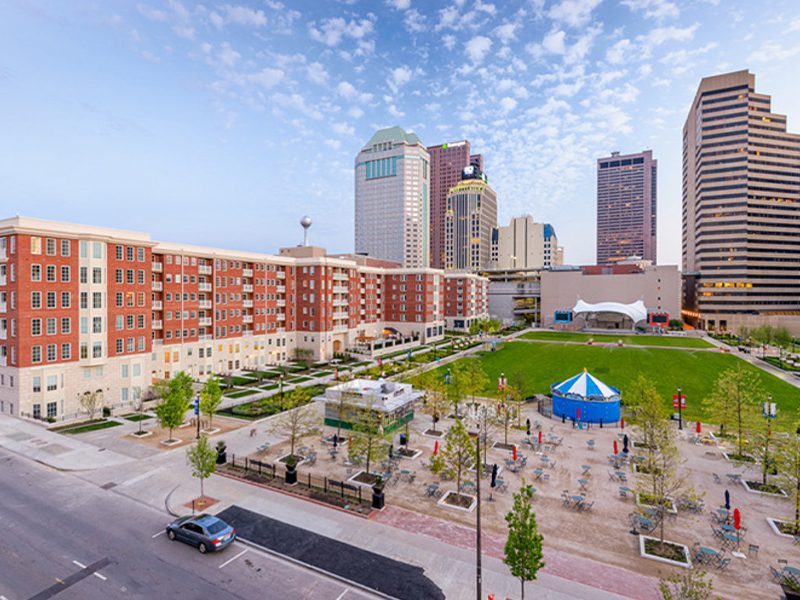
(583, 483)
(586, 469)
(704, 553)
(577, 500)
(538, 473)
(793, 571)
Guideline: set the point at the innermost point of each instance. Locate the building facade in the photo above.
(470, 220)
(447, 163)
(524, 244)
(466, 300)
(741, 208)
(626, 207)
(392, 198)
(86, 308)
(515, 295)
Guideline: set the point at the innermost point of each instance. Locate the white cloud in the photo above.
(575, 13)
(506, 32)
(449, 41)
(398, 77)
(399, 4)
(488, 8)
(333, 30)
(395, 112)
(355, 112)
(267, 77)
(507, 104)
(151, 13)
(228, 56)
(654, 9)
(298, 103)
(771, 51)
(238, 15)
(348, 91)
(645, 70)
(477, 48)
(660, 35)
(448, 18)
(795, 25)
(567, 89)
(335, 144)
(578, 51)
(553, 42)
(343, 128)
(415, 21)
(619, 52)
(317, 73)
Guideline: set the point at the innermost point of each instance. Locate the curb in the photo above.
(300, 563)
(166, 501)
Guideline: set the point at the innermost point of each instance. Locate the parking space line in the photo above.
(96, 574)
(343, 593)
(230, 560)
(75, 562)
(163, 531)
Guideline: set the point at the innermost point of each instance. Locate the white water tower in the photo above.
(305, 223)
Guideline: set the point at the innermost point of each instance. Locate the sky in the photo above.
(223, 123)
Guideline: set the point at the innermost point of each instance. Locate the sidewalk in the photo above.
(757, 362)
(53, 449)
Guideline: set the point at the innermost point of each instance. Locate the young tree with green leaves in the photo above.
(736, 403)
(91, 402)
(176, 398)
(508, 410)
(299, 417)
(475, 378)
(369, 438)
(210, 398)
(647, 415)
(138, 406)
(456, 390)
(345, 403)
(523, 549)
(203, 460)
(435, 403)
(665, 481)
(787, 461)
(458, 452)
(690, 584)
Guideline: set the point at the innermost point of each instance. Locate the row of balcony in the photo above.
(157, 267)
(204, 321)
(204, 269)
(205, 303)
(247, 272)
(247, 303)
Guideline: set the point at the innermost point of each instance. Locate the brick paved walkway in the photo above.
(567, 566)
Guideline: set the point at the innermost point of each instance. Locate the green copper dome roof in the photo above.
(394, 134)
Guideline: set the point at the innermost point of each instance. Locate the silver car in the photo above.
(206, 532)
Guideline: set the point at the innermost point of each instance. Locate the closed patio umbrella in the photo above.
(514, 452)
(727, 500)
(540, 437)
(494, 475)
(436, 448)
(698, 428)
(616, 450)
(625, 444)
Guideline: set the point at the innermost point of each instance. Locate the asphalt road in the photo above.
(64, 538)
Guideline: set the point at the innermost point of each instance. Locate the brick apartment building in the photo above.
(89, 308)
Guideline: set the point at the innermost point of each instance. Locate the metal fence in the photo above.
(325, 485)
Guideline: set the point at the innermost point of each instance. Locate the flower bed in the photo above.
(408, 453)
(452, 499)
(433, 434)
(136, 418)
(364, 478)
(241, 393)
(734, 457)
(671, 553)
(758, 487)
(643, 499)
(781, 528)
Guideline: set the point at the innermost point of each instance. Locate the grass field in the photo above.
(136, 418)
(91, 427)
(695, 371)
(241, 393)
(630, 340)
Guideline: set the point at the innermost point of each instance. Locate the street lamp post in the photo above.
(280, 384)
(478, 566)
(680, 408)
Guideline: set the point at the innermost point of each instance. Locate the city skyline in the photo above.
(163, 104)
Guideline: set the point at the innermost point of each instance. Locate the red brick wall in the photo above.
(139, 292)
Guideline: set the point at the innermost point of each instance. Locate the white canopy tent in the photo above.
(636, 311)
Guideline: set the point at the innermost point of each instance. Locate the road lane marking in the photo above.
(230, 560)
(100, 576)
(81, 565)
(96, 574)
(343, 593)
(71, 580)
(163, 531)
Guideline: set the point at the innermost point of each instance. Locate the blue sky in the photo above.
(223, 123)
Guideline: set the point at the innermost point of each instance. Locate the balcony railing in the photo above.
(158, 324)
(340, 315)
(204, 287)
(157, 286)
(205, 303)
(281, 302)
(340, 289)
(204, 269)
(204, 322)
(158, 305)
(247, 272)
(247, 333)
(341, 277)
(247, 318)
(158, 267)
(281, 289)
(247, 303)
(205, 336)
(247, 287)
(281, 316)
(281, 274)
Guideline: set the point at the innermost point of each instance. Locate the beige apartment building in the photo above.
(741, 209)
(524, 244)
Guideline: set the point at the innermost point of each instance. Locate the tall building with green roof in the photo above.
(392, 196)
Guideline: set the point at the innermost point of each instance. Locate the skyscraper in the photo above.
(525, 244)
(447, 163)
(470, 220)
(741, 208)
(626, 207)
(392, 202)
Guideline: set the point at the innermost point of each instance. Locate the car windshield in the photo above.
(216, 527)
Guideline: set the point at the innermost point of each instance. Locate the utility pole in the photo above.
(479, 468)
(680, 408)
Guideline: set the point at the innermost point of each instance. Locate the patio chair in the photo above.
(546, 477)
(797, 539)
(716, 478)
(586, 506)
(752, 550)
(777, 576)
(502, 486)
(722, 563)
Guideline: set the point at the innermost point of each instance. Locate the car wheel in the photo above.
(171, 535)
(202, 548)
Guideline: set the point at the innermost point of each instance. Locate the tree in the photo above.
(368, 441)
(646, 413)
(347, 398)
(486, 418)
(210, 398)
(523, 550)
(203, 460)
(138, 406)
(762, 448)
(458, 452)
(176, 396)
(665, 481)
(435, 403)
(735, 401)
(456, 388)
(692, 584)
(475, 379)
(509, 409)
(298, 419)
(787, 457)
(91, 402)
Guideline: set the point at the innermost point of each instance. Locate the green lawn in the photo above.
(136, 418)
(90, 427)
(241, 393)
(631, 340)
(300, 379)
(695, 371)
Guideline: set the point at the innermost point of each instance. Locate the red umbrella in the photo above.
(615, 448)
(737, 518)
(514, 450)
(698, 428)
(622, 423)
(436, 448)
(540, 437)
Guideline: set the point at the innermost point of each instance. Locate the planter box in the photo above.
(300, 461)
(686, 554)
(789, 592)
(365, 484)
(782, 494)
(434, 434)
(170, 442)
(211, 431)
(138, 435)
(502, 446)
(443, 501)
(412, 454)
(773, 524)
(739, 461)
(673, 510)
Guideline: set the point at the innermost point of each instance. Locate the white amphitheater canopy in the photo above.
(636, 311)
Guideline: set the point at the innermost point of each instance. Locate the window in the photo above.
(36, 245)
(84, 300)
(124, 371)
(37, 384)
(120, 299)
(118, 251)
(51, 300)
(65, 248)
(52, 410)
(66, 351)
(65, 274)
(50, 247)
(51, 326)
(36, 327)
(97, 275)
(66, 325)
(84, 325)
(129, 253)
(36, 272)
(97, 250)
(140, 321)
(129, 275)
(140, 254)
(120, 323)
(36, 354)
(97, 324)
(129, 321)
(84, 248)
(52, 383)
(84, 352)
(140, 343)
(119, 346)
(118, 275)
(131, 346)
(84, 277)
(137, 369)
(50, 272)
(97, 300)
(37, 411)
(36, 299)
(97, 350)
(124, 394)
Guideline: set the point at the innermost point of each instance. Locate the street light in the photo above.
(680, 408)
(280, 383)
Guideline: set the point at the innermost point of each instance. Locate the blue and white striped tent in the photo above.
(586, 398)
